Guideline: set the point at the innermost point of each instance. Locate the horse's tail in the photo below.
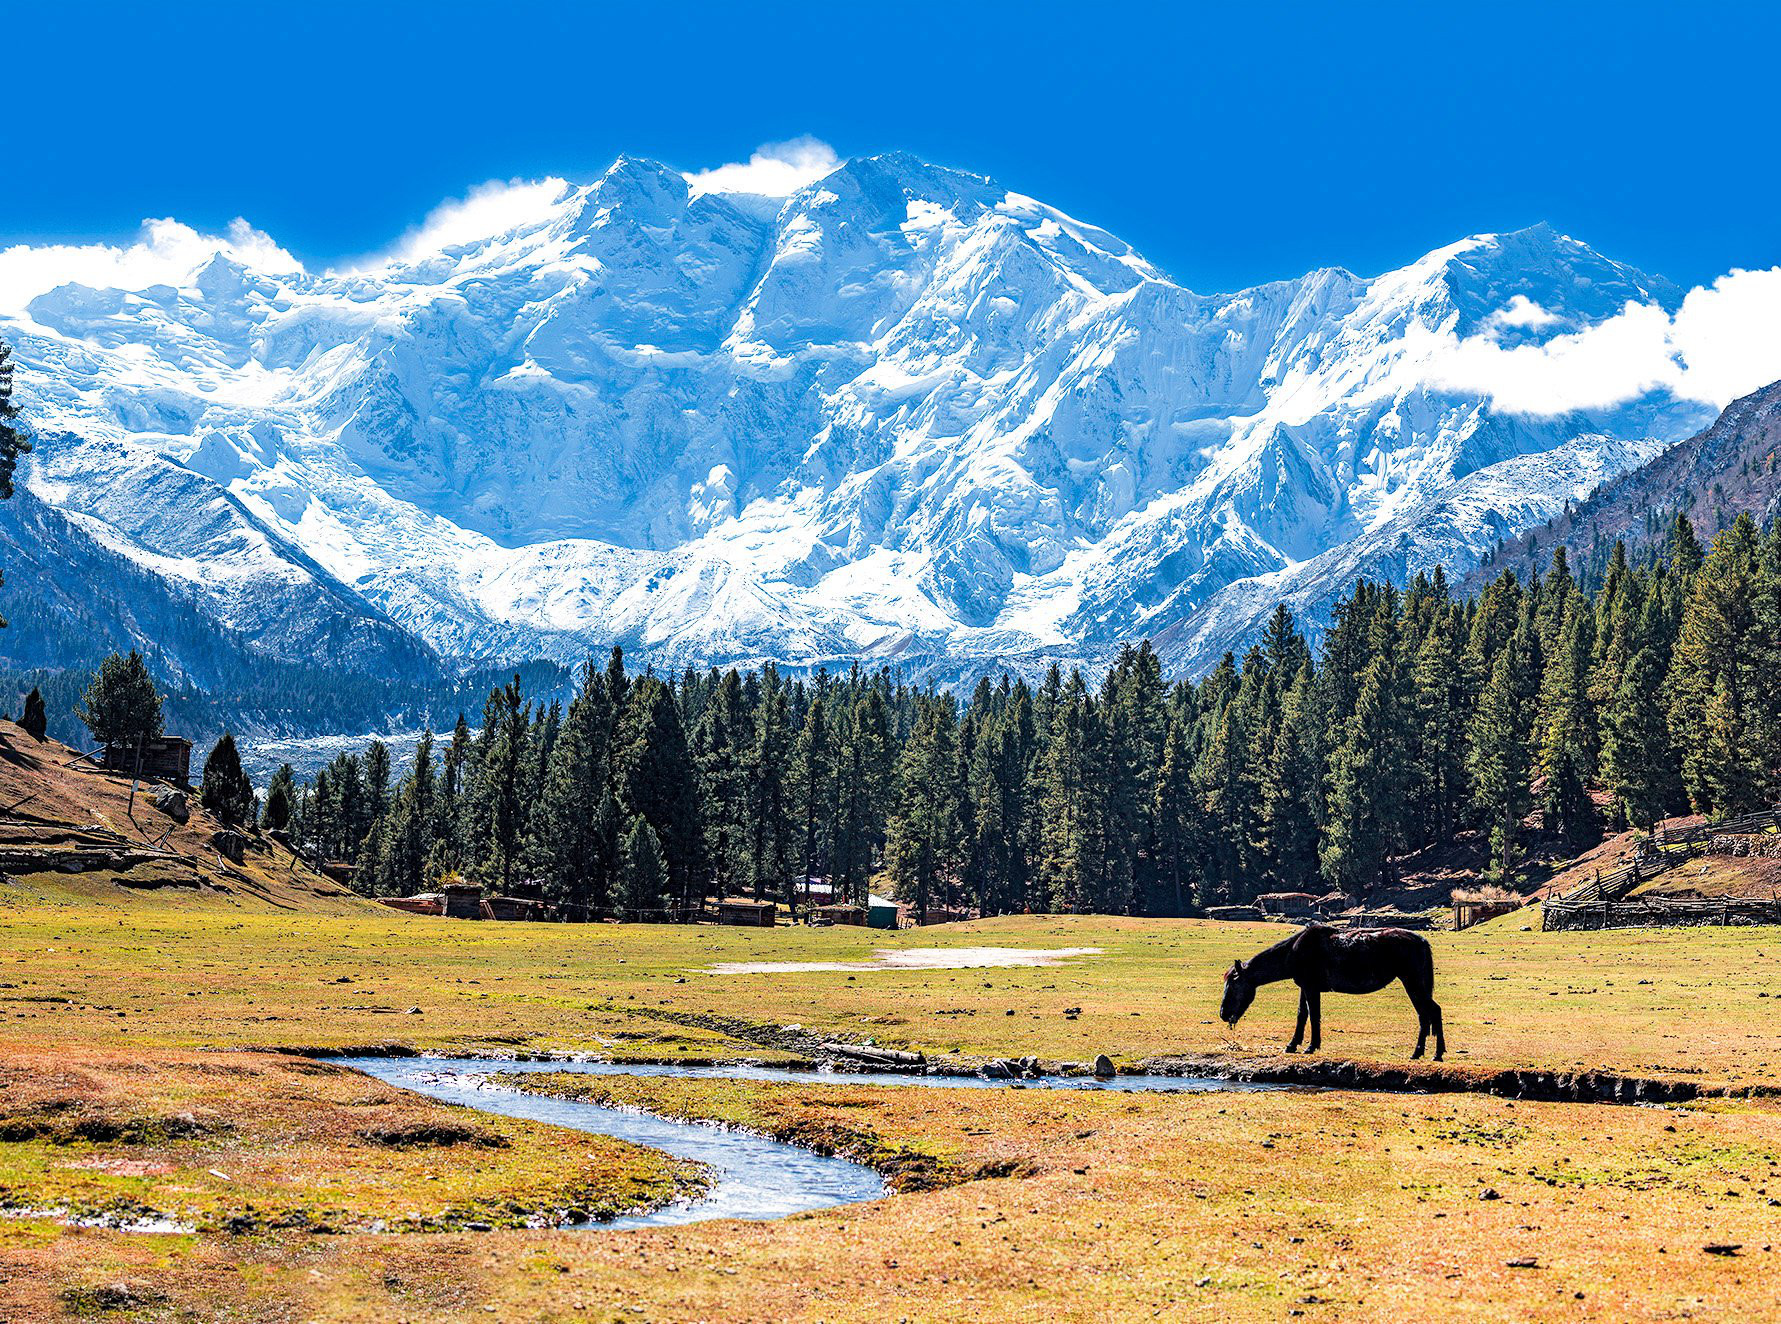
(1425, 961)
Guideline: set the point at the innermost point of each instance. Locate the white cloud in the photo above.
(1522, 314)
(1724, 342)
(487, 210)
(776, 170)
(165, 253)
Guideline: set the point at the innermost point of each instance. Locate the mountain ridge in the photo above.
(906, 413)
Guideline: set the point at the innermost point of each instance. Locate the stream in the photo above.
(755, 1177)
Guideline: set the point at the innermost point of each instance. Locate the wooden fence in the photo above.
(1603, 902)
(1655, 912)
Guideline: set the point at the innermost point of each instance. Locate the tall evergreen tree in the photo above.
(225, 789)
(34, 719)
(644, 888)
(121, 706)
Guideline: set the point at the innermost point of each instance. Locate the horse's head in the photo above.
(1239, 992)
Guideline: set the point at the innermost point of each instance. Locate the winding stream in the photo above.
(756, 1178)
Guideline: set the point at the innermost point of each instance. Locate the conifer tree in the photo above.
(1291, 791)
(643, 883)
(1715, 673)
(34, 720)
(1636, 751)
(562, 847)
(1567, 729)
(769, 839)
(924, 837)
(1363, 802)
(225, 789)
(653, 779)
(719, 751)
(1176, 814)
(281, 800)
(121, 706)
(1499, 762)
(811, 787)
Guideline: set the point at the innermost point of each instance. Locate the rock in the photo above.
(173, 804)
(1525, 1262)
(995, 1070)
(1489, 1193)
(1103, 1065)
(414, 1011)
(1723, 1247)
(232, 846)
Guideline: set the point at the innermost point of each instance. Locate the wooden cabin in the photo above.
(165, 758)
(747, 913)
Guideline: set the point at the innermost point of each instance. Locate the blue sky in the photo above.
(1229, 143)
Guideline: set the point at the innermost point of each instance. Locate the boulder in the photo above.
(1104, 1066)
(173, 804)
(232, 846)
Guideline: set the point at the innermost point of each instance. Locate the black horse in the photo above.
(1320, 960)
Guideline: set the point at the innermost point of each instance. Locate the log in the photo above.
(884, 1057)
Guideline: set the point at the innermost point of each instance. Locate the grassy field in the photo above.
(141, 1074)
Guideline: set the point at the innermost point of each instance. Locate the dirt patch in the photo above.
(918, 958)
(426, 1135)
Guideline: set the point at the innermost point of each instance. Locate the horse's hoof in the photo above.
(1292, 1048)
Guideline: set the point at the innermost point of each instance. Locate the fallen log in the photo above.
(883, 1057)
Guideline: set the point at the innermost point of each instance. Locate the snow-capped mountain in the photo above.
(903, 413)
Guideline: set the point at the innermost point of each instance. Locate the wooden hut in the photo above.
(166, 758)
(746, 912)
(461, 900)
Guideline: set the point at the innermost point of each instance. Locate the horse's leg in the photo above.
(1428, 1015)
(1298, 1034)
(1314, 1001)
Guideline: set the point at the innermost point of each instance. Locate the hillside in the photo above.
(1728, 469)
(69, 832)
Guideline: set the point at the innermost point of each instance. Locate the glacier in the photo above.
(903, 414)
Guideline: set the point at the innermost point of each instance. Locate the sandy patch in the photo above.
(917, 958)
(118, 1167)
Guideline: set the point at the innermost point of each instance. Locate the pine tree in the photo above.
(1499, 762)
(1636, 750)
(1176, 814)
(499, 801)
(864, 785)
(719, 748)
(1715, 674)
(770, 839)
(1567, 730)
(120, 706)
(652, 778)
(1363, 801)
(225, 789)
(35, 720)
(925, 836)
(281, 800)
(377, 778)
(1070, 862)
(1438, 793)
(1290, 791)
(562, 847)
(643, 885)
(812, 779)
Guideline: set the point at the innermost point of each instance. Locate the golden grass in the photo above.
(1184, 1205)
